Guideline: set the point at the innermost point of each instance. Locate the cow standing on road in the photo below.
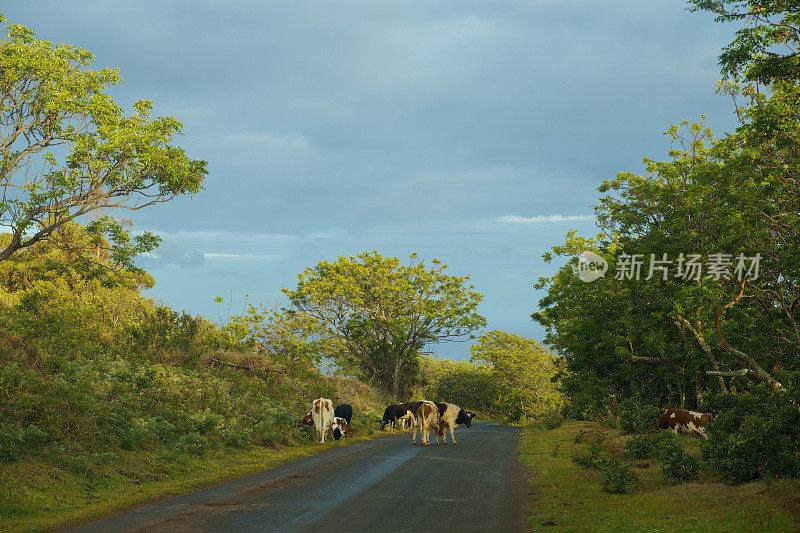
(450, 417)
(426, 419)
(395, 412)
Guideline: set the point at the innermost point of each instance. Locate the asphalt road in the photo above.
(381, 485)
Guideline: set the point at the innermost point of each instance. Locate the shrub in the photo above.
(637, 417)
(550, 420)
(618, 478)
(677, 466)
(755, 434)
(591, 459)
(645, 445)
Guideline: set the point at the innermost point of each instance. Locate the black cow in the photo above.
(344, 411)
(411, 406)
(391, 414)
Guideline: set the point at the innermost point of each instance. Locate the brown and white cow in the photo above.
(339, 428)
(305, 421)
(426, 419)
(452, 416)
(683, 421)
(322, 415)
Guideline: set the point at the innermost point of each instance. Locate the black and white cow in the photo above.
(450, 417)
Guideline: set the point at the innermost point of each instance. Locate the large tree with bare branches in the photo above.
(69, 152)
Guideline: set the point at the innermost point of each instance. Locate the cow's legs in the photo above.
(453, 434)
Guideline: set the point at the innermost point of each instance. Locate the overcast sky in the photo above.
(473, 132)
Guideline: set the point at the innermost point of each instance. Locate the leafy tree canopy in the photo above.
(67, 149)
(527, 371)
(384, 313)
(765, 49)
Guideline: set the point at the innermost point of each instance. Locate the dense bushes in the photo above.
(756, 434)
(591, 459)
(82, 408)
(586, 395)
(677, 466)
(636, 416)
(618, 477)
(646, 445)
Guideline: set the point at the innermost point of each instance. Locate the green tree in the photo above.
(765, 49)
(464, 383)
(526, 372)
(68, 150)
(384, 313)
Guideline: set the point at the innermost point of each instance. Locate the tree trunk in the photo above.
(698, 389)
(756, 372)
(398, 367)
(701, 340)
(679, 381)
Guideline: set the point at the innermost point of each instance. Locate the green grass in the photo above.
(570, 496)
(55, 498)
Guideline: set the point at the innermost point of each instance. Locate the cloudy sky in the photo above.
(473, 132)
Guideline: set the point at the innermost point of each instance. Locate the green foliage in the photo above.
(618, 477)
(98, 406)
(646, 445)
(762, 49)
(755, 434)
(464, 383)
(111, 159)
(293, 340)
(637, 417)
(551, 420)
(527, 373)
(734, 195)
(677, 466)
(591, 459)
(382, 313)
(586, 395)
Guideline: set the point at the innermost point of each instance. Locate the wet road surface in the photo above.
(382, 485)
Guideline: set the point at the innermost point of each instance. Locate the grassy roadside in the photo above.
(55, 498)
(566, 497)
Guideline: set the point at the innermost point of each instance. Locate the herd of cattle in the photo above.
(439, 417)
(423, 416)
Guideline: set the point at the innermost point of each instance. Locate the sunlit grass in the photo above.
(566, 497)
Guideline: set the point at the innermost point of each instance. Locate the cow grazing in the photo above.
(393, 413)
(339, 428)
(451, 417)
(683, 421)
(305, 421)
(426, 419)
(344, 411)
(322, 414)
